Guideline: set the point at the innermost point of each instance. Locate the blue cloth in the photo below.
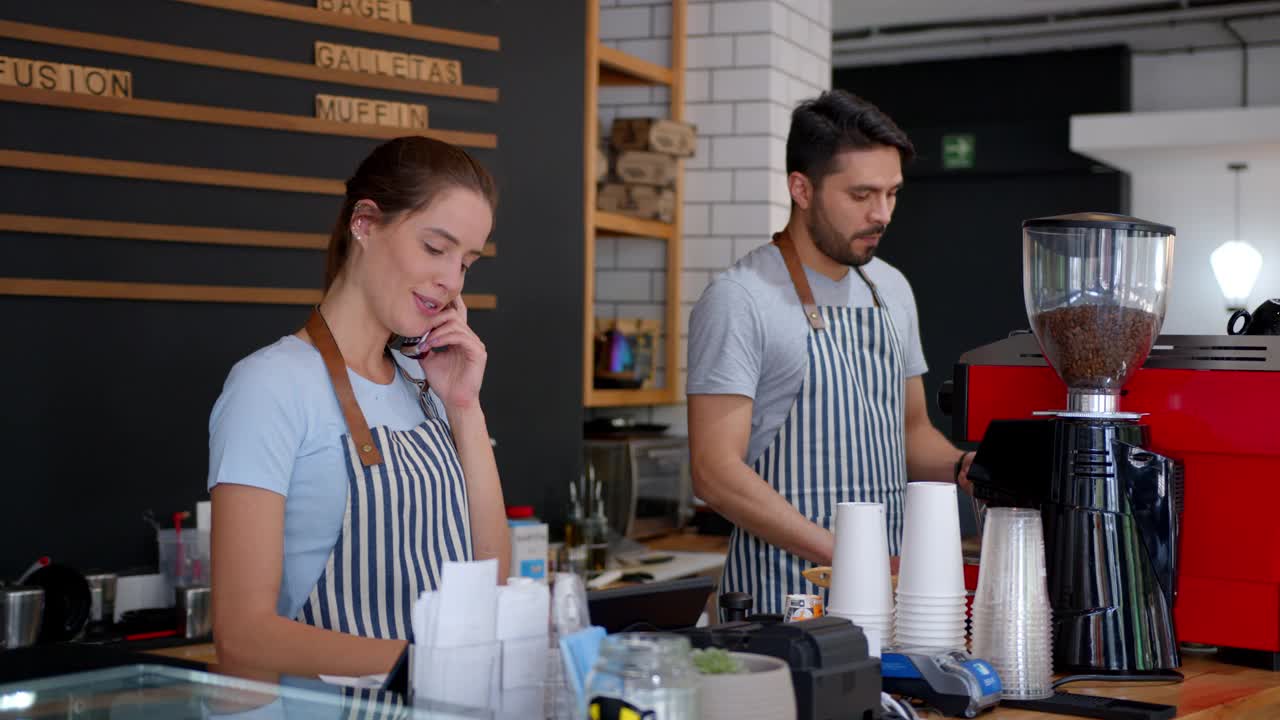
(278, 426)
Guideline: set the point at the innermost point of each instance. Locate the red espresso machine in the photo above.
(1210, 402)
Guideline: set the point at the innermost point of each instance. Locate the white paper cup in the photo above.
(931, 613)
(933, 598)
(930, 646)
(952, 606)
(932, 563)
(931, 624)
(904, 636)
(860, 578)
(880, 622)
(877, 640)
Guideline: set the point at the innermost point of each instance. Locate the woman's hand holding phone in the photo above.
(454, 359)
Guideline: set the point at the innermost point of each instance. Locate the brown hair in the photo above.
(836, 121)
(405, 174)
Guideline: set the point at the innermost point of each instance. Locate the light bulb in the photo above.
(1236, 266)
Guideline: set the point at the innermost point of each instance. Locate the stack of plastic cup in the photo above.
(861, 589)
(931, 594)
(1012, 620)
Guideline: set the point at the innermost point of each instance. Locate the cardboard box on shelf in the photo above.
(655, 135)
(641, 201)
(645, 168)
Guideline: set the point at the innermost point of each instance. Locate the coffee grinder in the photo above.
(1095, 288)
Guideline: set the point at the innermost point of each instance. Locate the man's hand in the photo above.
(964, 482)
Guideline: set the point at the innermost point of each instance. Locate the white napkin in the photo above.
(524, 609)
(454, 657)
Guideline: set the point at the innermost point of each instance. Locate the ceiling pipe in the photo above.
(881, 40)
(1244, 61)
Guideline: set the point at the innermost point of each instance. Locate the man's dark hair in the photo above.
(836, 121)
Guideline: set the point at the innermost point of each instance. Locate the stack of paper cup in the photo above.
(1012, 620)
(861, 589)
(931, 594)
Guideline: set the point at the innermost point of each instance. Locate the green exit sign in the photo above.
(959, 152)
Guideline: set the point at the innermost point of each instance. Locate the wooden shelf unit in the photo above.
(606, 66)
(315, 16)
(608, 223)
(174, 292)
(619, 68)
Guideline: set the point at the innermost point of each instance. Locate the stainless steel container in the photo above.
(21, 612)
(195, 610)
(102, 589)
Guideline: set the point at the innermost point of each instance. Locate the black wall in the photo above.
(106, 403)
(956, 234)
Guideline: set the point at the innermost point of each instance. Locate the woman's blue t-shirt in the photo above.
(278, 426)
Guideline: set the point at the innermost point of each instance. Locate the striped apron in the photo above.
(842, 441)
(406, 515)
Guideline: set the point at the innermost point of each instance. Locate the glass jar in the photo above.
(645, 672)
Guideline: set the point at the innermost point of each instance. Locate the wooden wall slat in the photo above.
(48, 225)
(233, 61)
(233, 117)
(82, 165)
(157, 291)
(103, 290)
(300, 13)
(51, 225)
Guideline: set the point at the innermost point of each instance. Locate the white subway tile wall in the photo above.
(748, 63)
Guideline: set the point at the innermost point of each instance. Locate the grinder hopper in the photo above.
(1095, 287)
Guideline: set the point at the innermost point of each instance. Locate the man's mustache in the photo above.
(868, 232)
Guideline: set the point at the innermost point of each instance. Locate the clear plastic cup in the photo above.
(932, 563)
(1012, 620)
(860, 577)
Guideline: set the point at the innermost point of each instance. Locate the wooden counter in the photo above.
(1211, 691)
(689, 542)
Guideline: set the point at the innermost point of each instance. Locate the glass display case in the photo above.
(154, 691)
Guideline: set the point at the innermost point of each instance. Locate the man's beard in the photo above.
(837, 247)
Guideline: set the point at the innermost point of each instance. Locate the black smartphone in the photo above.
(408, 346)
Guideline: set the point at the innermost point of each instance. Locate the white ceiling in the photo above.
(1046, 25)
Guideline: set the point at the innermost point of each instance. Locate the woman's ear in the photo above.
(364, 218)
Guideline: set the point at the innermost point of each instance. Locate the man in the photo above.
(805, 362)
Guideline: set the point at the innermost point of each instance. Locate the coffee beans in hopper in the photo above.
(1096, 346)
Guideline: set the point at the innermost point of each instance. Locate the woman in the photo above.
(344, 474)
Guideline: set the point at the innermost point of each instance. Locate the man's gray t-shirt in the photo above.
(748, 334)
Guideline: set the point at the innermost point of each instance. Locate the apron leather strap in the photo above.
(798, 279)
(875, 294)
(357, 426)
